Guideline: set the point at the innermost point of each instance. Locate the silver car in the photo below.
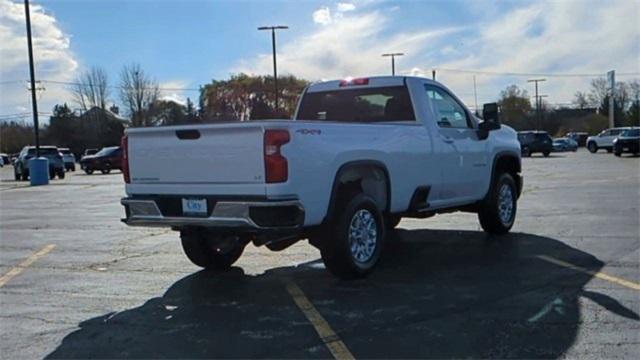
(21, 166)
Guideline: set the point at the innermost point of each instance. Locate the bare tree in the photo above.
(580, 99)
(91, 89)
(138, 93)
(599, 93)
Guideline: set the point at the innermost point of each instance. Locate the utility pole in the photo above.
(475, 94)
(611, 77)
(537, 100)
(393, 61)
(275, 68)
(34, 100)
(433, 74)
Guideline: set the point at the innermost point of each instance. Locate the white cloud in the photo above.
(344, 7)
(53, 57)
(169, 91)
(322, 16)
(351, 46)
(549, 37)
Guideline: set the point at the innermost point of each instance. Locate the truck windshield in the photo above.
(378, 104)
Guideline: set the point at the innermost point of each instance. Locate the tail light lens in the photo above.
(124, 145)
(275, 165)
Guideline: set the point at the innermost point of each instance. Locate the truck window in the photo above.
(451, 114)
(379, 104)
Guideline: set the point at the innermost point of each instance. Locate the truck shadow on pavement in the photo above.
(437, 294)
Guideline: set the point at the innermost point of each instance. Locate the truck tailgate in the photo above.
(197, 155)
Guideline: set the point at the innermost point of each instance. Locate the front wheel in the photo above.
(88, 171)
(212, 251)
(498, 211)
(526, 152)
(61, 174)
(592, 147)
(354, 243)
(546, 153)
(617, 153)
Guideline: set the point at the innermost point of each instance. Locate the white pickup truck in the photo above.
(359, 155)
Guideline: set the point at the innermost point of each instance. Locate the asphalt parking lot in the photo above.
(76, 283)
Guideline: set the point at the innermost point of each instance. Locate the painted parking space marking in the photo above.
(16, 270)
(626, 283)
(322, 327)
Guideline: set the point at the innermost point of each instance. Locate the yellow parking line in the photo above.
(328, 336)
(600, 275)
(25, 264)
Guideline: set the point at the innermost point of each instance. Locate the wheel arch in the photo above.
(368, 176)
(507, 162)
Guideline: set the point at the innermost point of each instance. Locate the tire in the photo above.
(200, 247)
(618, 154)
(592, 147)
(609, 150)
(88, 171)
(24, 175)
(16, 176)
(106, 168)
(52, 175)
(546, 153)
(492, 218)
(61, 174)
(343, 254)
(526, 152)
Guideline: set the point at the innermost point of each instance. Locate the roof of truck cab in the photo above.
(373, 81)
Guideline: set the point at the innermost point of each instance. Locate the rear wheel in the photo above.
(61, 174)
(546, 153)
(16, 176)
(354, 242)
(212, 251)
(592, 147)
(88, 171)
(526, 152)
(498, 211)
(617, 153)
(106, 168)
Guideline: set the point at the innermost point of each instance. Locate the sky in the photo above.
(185, 44)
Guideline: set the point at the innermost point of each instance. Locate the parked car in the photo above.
(604, 140)
(105, 160)
(579, 137)
(359, 155)
(627, 142)
(1, 162)
(89, 152)
(21, 166)
(5, 159)
(68, 158)
(535, 142)
(564, 144)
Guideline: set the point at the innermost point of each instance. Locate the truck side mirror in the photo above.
(490, 112)
(491, 121)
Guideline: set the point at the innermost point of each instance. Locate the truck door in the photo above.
(464, 159)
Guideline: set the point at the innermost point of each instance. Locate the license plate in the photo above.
(194, 207)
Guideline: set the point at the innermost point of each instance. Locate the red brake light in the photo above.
(276, 167)
(352, 82)
(124, 145)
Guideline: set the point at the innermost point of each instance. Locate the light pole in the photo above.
(34, 102)
(275, 68)
(393, 61)
(537, 98)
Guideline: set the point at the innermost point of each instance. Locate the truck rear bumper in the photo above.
(239, 215)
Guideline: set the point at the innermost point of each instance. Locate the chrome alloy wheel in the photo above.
(505, 204)
(363, 236)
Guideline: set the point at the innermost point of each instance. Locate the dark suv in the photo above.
(21, 166)
(535, 142)
(104, 160)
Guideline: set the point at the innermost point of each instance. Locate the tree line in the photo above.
(589, 112)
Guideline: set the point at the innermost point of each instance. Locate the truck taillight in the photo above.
(276, 167)
(124, 145)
